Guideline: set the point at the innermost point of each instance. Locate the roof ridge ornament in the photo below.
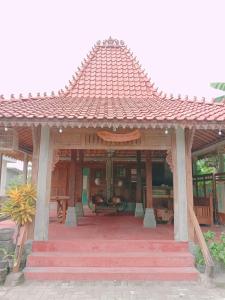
(110, 42)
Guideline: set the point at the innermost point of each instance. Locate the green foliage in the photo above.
(21, 204)
(206, 166)
(216, 248)
(220, 86)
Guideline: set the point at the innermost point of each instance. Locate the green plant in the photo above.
(6, 254)
(21, 204)
(220, 86)
(216, 248)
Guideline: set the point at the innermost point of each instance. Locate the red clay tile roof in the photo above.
(111, 71)
(111, 86)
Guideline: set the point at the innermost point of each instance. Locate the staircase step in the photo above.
(114, 273)
(109, 245)
(110, 259)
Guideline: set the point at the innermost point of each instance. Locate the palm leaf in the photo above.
(220, 99)
(218, 85)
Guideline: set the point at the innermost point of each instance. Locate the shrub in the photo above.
(20, 206)
(216, 248)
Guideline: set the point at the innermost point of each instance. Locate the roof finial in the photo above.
(20, 95)
(30, 95)
(38, 94)
(52, 94)
(12, 96)
(45, 94)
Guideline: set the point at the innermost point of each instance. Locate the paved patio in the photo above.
(114, 290)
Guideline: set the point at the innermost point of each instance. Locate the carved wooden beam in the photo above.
(119, 137)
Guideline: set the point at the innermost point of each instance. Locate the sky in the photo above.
(179, 43)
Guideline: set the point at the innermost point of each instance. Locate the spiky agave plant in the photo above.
(219, 86)
(20, 206)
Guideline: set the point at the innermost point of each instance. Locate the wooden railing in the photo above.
(202, 243)
(23, 231)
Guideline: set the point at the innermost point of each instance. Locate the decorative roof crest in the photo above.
(110, 42)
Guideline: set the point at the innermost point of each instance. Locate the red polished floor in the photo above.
(124, 227)
(111, 227)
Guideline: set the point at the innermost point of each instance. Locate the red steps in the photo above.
(101, 259)
(110, 260)
(121, 273)
(109, 245)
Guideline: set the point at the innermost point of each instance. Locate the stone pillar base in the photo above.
(149, 218)
(71, 217)
(139, 210)
(79, 209)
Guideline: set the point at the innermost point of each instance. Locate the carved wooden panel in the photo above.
(60, 179)
(8, 139)
(152, 139)
(67, 138)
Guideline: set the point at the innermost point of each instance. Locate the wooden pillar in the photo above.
(109, 176)
(72, 173)
(149, 200)
(139, 209)
(189, 135)
(149, 217)
(220, 187)
(36, 135)
(25, 165)
(138, 182)
(71, 214)
(194, 165)
(1, 160)
(43, 185)
(180, 188)
(79, 177)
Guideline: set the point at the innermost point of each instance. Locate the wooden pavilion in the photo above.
(111, 133)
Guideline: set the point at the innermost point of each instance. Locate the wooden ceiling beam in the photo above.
(209, 148)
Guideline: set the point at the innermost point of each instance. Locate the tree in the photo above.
(219, 86)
